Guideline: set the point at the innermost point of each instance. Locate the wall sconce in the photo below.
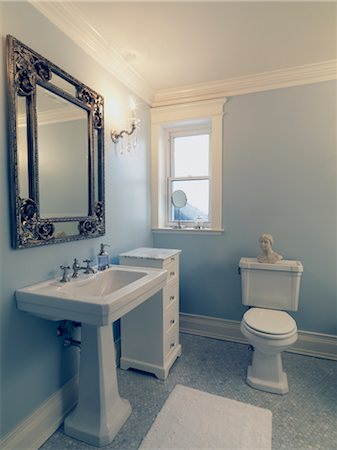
(124, 136)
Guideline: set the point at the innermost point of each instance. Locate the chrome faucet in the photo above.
(88, 269)
(76, 267)
(65, 276)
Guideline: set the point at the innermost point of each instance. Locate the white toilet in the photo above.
(269, 289)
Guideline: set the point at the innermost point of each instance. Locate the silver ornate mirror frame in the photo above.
(27, 70)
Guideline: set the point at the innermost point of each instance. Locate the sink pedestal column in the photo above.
(100, 412)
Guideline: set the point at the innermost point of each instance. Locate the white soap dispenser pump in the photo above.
(103, 258)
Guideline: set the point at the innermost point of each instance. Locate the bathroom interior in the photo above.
(261, 76)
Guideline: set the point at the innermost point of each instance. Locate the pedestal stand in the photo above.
(100, 412)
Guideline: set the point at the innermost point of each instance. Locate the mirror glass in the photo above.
(179, 199)
(22, 145)
(56, 152)
(62, 129)
(63, 84)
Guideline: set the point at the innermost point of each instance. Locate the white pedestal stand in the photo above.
(100, 412)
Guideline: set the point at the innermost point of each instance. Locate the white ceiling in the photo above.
(174, 44)
(184, 43)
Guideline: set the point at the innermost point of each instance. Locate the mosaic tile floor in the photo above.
(305, 418)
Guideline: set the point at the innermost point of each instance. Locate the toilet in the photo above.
(269, 290)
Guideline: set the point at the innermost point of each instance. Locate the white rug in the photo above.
(192, 419)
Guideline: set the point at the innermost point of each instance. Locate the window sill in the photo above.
(208, 231)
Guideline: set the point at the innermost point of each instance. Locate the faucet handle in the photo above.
(65, 276)
(88, 269)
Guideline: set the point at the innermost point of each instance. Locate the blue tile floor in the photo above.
(305, 418)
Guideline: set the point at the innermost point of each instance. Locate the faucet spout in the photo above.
(76, 267)
(87, 269)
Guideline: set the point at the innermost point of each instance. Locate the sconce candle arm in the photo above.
(115, 136)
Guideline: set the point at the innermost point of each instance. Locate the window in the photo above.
(186, 154)
(189, 154)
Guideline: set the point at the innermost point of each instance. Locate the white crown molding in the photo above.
(276, 79)
(54, 116)
(68, 18)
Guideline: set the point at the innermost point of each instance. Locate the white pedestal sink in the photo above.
(96, 301)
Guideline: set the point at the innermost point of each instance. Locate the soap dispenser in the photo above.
(103, 258)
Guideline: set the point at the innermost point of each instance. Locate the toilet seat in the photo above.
(268, 323)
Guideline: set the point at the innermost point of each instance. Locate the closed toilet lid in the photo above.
(269, 321)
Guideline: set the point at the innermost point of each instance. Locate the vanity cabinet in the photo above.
(150, 332)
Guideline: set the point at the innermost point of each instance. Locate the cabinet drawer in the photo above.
(172, 267)
(171, 339)
(171, 316)
(171, 295)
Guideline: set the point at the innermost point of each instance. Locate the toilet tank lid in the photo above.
(285, 265)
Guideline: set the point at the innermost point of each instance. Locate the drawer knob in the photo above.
(172, 344)
(171, 298)
(171, 274)
(172, 321)
(172, 259)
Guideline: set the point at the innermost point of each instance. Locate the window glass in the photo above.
(191, 155)
(197, 193)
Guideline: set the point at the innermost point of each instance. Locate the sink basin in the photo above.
(96, 299)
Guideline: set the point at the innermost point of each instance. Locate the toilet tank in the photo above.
(274, 286)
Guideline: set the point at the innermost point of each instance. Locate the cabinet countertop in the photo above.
(150, 253)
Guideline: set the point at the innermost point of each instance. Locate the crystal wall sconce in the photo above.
(127, 139)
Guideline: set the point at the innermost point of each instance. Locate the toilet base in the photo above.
(275, 387)
(266, 371)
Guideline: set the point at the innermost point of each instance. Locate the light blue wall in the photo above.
(33, 362)
(279, 177)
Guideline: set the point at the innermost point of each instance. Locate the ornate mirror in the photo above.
(56, 152)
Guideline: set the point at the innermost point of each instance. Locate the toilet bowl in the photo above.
(270, 332)
(269, 289)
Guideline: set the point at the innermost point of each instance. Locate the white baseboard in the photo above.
(308, 343)
(45, 420)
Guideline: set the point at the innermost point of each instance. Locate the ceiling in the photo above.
(167, 45)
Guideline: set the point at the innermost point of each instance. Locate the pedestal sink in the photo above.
(96, 301)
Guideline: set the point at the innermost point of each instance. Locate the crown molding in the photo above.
(276, 79)
(59, 115)
(68, 18)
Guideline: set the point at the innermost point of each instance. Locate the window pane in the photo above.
(191, 156)
(197, 193)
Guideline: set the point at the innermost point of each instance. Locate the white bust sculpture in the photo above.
(269, 256)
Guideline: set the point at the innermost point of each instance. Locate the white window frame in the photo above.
(181, 132)
(163, 119)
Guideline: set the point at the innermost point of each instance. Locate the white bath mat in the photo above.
(192, 419)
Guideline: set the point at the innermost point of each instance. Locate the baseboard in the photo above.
(45, 420)
(308, 343)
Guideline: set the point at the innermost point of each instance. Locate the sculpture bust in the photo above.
(269, 256)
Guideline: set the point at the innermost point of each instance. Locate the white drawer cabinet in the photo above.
(150, 332)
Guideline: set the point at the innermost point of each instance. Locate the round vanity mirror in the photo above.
(179, 199)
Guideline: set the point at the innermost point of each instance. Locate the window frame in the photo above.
(197, 114)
